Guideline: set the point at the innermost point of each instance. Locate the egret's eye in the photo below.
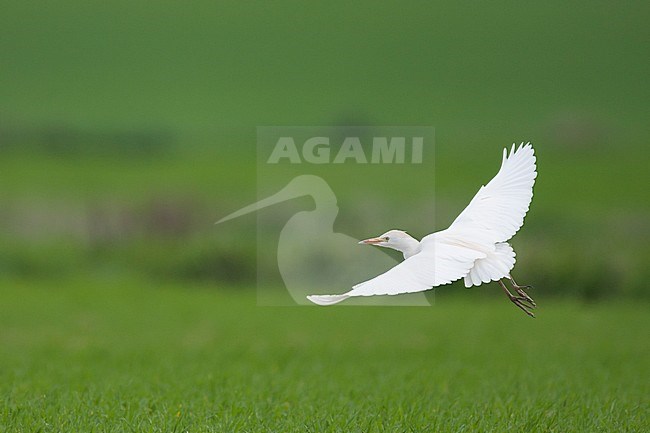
(386, 238)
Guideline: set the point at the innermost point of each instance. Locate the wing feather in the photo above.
(497, 211)
(438, 263)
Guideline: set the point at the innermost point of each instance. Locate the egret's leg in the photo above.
(520, 301)
(517, 286)
(520, 290)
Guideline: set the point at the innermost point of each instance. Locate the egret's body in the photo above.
(474, 247)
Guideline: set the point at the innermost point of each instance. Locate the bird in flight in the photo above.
(474, 247)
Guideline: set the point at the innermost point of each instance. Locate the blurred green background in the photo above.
(128, 128)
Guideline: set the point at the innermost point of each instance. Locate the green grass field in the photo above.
(129, 356)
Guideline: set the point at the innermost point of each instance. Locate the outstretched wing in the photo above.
(497, 211)
(438, 263)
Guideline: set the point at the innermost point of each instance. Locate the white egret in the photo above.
(474, 247)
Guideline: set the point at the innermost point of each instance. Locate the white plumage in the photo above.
(474, 247)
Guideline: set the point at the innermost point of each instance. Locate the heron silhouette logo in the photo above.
(311, 256)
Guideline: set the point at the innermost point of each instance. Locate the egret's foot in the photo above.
(525, 305)
(520, 292)
(523, 301)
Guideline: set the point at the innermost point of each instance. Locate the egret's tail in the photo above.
(327, 299)
(495, 266)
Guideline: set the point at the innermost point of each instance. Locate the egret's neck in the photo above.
(408, 246)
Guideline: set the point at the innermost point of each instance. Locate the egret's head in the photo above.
(395, 239)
